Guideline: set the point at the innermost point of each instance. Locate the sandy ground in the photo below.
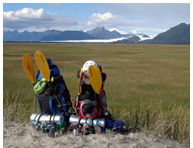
(20, 135)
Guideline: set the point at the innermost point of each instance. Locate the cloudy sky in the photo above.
(150, 18)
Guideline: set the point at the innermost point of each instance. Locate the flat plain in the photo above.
(146, 85)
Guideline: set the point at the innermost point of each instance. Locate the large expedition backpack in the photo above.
(52, 98)
(86, 103)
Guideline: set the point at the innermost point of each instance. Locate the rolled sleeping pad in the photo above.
(97, 122)
(59, 119)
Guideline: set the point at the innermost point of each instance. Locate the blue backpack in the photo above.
(55, 98)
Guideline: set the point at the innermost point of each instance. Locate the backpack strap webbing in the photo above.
(39, 117)
(79, 89)
(92, 127)
(79, 122)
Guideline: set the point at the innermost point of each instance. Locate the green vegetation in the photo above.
(146, 84)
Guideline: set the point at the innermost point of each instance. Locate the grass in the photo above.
(146, 84)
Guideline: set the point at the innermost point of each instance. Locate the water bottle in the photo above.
(46, 118)
(96, 122)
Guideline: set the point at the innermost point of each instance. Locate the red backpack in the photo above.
(87, 104)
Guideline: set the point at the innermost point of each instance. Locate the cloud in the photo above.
(35, 19)
(25, 13)
(107, 19)
(98, 18)
(161, 11)
(151, 17)
(38, 20)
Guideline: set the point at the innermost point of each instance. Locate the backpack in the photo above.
(55, 98)
(87, 104)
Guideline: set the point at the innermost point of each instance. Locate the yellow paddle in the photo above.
(96, 82)
(42, 65)
(28, 67)
(95, 78)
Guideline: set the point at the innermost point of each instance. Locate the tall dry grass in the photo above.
(152, 118)
(149, 118)
(18, 107)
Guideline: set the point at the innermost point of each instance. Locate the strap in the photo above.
(54, 118)
(81, 80)
(86, 120)
(92, 127)
(50, 118)
(61, 106)
(102, 89)
(55, 105)
(39, 117)
(98, 108)
(70, 102)
(79, 122)
(35, 117)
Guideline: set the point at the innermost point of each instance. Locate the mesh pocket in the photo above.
(44, 103)
(39, 87)
(87, 109)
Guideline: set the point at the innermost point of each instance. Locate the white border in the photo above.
(86, 1)
(1, 72)
(191, 71)
(96, 1)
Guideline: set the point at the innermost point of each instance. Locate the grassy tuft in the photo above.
(18, 107)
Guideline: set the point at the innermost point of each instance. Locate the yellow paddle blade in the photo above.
(28, 67)
(42, 65)
(79, 81)
(95, 78)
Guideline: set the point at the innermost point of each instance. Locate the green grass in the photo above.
(146, 84)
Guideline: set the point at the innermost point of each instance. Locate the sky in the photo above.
(150, 18)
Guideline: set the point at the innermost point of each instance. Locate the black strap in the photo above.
(54, 118)
(98, 104)
(99, 98)
(69, 100)
(61, 102)
(78, 105)
(79, 122)
(86, 120)
(55, 105)
(35, 117)
(50, 118)
(92, 127)
(39, 118)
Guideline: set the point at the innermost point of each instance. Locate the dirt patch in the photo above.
(22, 135)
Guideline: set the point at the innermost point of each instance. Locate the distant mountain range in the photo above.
(179, 34)
(55, 35)
(49, 35)
(102, 33)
